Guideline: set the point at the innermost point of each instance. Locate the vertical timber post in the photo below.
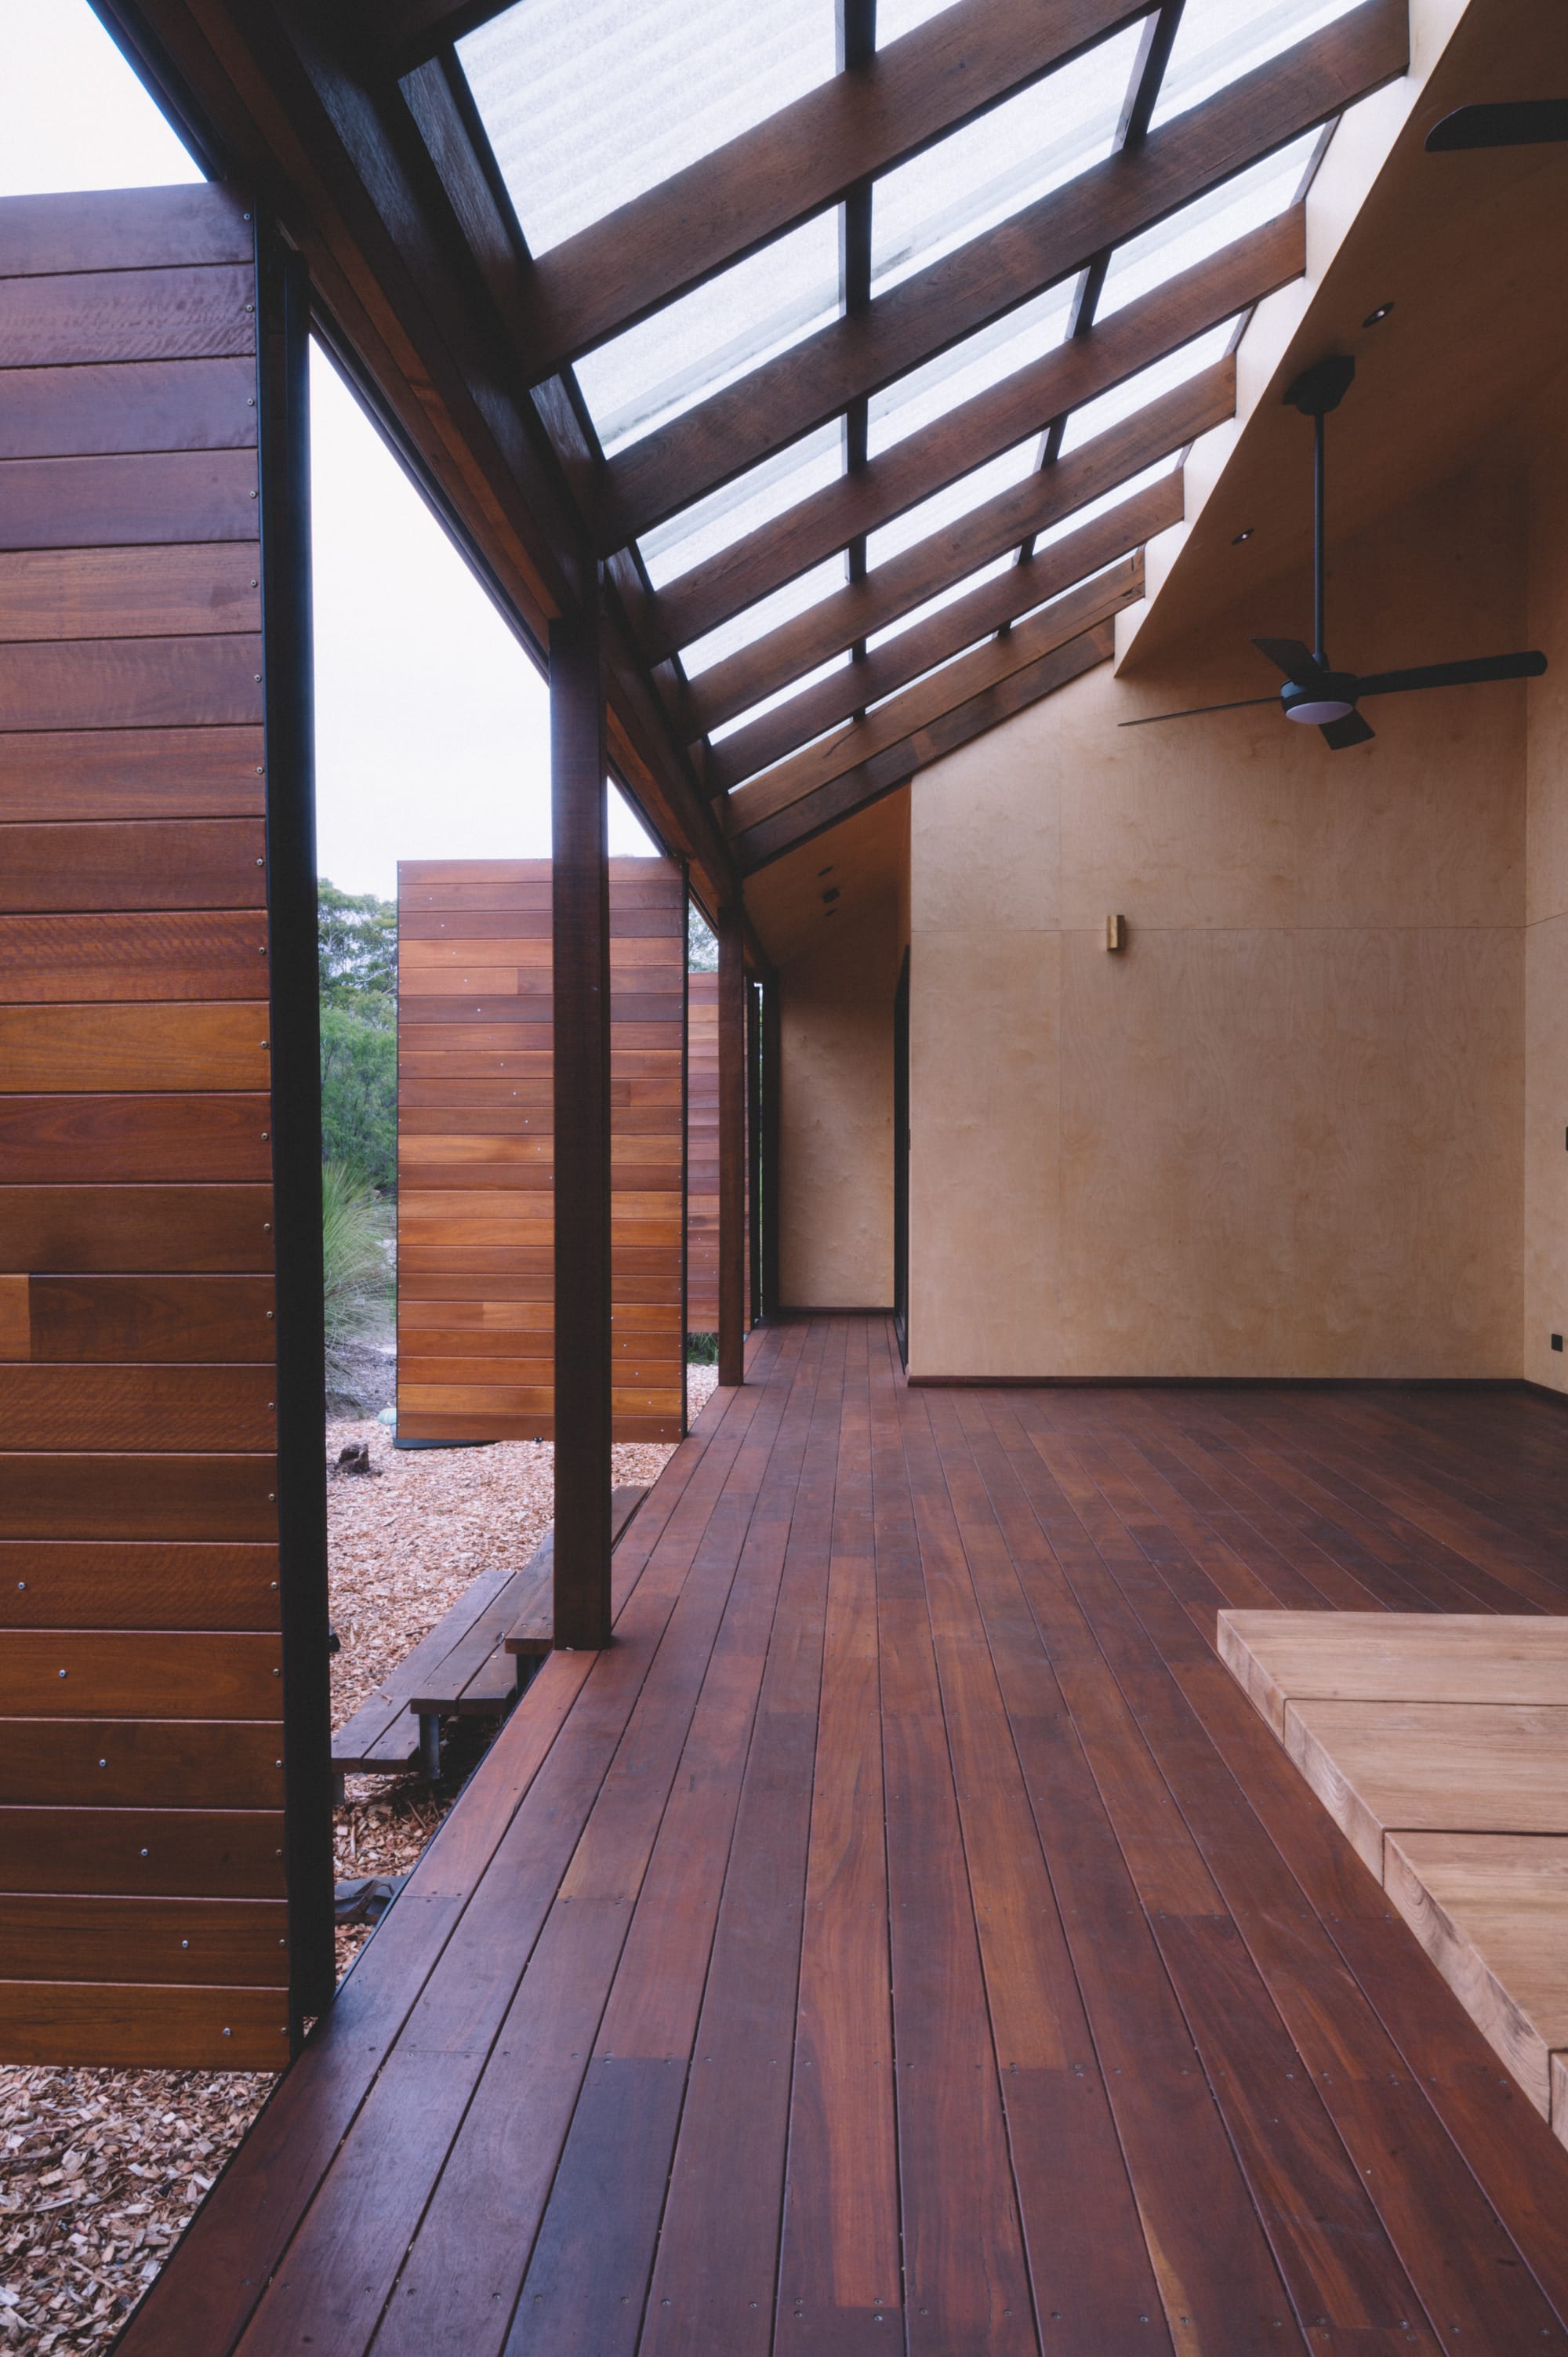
(580, 960)
(294, 1023)
(732, 1149)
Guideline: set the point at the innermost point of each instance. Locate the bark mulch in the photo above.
(100, 2169)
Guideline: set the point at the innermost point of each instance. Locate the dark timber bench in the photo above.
(473, 1665)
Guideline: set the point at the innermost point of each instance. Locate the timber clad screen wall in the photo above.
(476, 1122)
(143, 1916)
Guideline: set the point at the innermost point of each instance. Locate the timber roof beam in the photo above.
(1147, 331)
(801, 161)
(944, 558)
(990, 699)
(819, 765)
(1021, 257)
(1115, 539)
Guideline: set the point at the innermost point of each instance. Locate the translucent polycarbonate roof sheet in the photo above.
(589, 104)
(991, 168)
(781, 695)
(1094, 509)
(897, 17)
(769, 614)
(707, 339)
(960, 498)
(970, 368)
(948, 597)
(753, 500)
(1219, 40)
(1200, 229)
(1124, 400)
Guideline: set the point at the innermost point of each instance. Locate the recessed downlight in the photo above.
(1237, 538)
(1381, 312)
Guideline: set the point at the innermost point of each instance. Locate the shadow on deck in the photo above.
(907, 1935)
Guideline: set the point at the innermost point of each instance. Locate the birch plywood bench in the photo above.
(473, 1665)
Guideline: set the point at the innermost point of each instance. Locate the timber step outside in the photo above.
(474, 1664)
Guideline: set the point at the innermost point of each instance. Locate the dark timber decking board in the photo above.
(908, 1935)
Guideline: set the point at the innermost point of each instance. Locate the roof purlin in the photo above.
(908, 581)
(998, 658)
(799, 162)
(886, 771)
(1035, 249)
(1147, 331)
(946, 633)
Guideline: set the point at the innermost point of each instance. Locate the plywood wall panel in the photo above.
(143, 1915)
(475, 1149)
(1280, 1133)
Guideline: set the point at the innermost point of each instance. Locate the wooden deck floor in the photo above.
(908, 1934)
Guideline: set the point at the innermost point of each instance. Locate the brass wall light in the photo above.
(1115, 933)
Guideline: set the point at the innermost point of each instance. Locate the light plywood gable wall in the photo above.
(1281, 1133)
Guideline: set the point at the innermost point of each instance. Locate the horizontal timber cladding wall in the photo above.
(144, 1918)
(476, 1121)
(703, 1153)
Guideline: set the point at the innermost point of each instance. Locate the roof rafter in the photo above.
(936, 563)
(1067, 617)
(409, 31)
(876, 113)
(368, 199)
(945, 633)
(816, 379)
(1145, 331)
(995, 700)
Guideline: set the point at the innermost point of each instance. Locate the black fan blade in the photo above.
(1196, 711)
(1299, 664)
(1513, 122)
(1453, 675)
(1351, 731)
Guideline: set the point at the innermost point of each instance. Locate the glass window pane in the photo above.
(591, 103)
(707, 339)
(995, 167)
(1219, 40)
(753, 500)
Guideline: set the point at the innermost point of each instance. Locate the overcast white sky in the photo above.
(432, 724)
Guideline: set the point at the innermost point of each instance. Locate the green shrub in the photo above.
(359, 1097)
(354, 1265)
(701, 1349)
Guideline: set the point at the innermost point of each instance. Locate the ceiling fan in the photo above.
(1314, 694)
(1509, 122)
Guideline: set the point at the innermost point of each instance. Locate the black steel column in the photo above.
(294, 1022)
(732, 1149)
(581, 985)
(772, 1072)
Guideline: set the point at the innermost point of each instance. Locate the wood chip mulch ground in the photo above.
(100, 2169)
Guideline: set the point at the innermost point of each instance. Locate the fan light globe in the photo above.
(1314, 710)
